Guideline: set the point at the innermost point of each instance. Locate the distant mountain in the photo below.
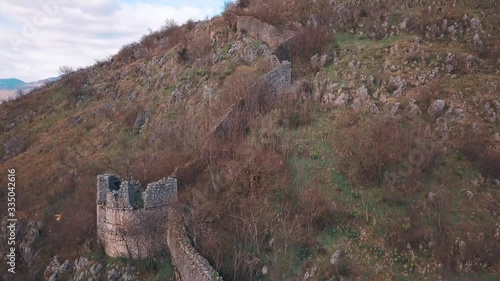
(11, 84)
(10, 87)
(27, 87)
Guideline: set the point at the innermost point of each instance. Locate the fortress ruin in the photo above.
(137, 223)
(131, 222)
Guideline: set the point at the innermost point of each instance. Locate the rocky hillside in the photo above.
(381, 161)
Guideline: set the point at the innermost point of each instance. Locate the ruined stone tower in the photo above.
(131, 222)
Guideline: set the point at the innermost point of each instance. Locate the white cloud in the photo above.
(36, 37)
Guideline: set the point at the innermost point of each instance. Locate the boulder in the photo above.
(357, 104)
(341, 100)
(320, 61)
(413, 109)
(362, 93)
(114, 274)
(96, 270)
(335, 257)
(436, 108)
(259, 30)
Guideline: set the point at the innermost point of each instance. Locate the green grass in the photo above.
(313, 163)
(351, 41)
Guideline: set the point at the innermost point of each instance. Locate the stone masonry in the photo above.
(130, 221)
(189, 265)
(137, 223)
(266, 91)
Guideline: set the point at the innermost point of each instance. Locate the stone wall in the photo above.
(279, 79)
(130, 221)
(189, 265)
(133, 223)
(264, 93)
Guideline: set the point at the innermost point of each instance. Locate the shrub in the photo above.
(201, 45)
(127, 52)
(272, 11)
(149, 168)
(65, 70)
(369, 147)
(308, 42)
(75, 87)
(168, 36)
(311, 41)
(294, 111)
(238, 86)
(233, 198)
(476, 148)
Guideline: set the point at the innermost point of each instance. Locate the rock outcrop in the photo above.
(260, 30)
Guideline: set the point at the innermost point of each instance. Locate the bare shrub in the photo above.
(190, 25)
(65, 70)
(231, 10)
(295, 112)
(317, 211)
(200, 46)
(273, 11)
(127, 52)
(369, 147)
(375, 18)
(238, 86)
(75, 87)
(245, 212)
(476, 148)
(167, 37)
(308, 42)
(149, 168)
(311, 41)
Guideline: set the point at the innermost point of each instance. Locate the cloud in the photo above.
(36, 37)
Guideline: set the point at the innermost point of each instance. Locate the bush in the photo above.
(476, 149)
(295, 112)
(368, 148)
(65, 70)
(127, 52)
(167, 37)
(200, 46)
(75, 85)
(271, 11)
(310, 41)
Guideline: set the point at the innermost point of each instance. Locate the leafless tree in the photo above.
(65, 70)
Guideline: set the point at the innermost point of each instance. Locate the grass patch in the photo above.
(351, 41)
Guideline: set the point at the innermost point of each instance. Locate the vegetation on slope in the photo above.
(312, 190)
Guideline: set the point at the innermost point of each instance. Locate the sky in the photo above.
(39, 36)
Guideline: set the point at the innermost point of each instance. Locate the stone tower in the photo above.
(131, 222)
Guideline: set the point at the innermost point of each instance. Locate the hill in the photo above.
(14, 88)
(11, 84)
(380, 161)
